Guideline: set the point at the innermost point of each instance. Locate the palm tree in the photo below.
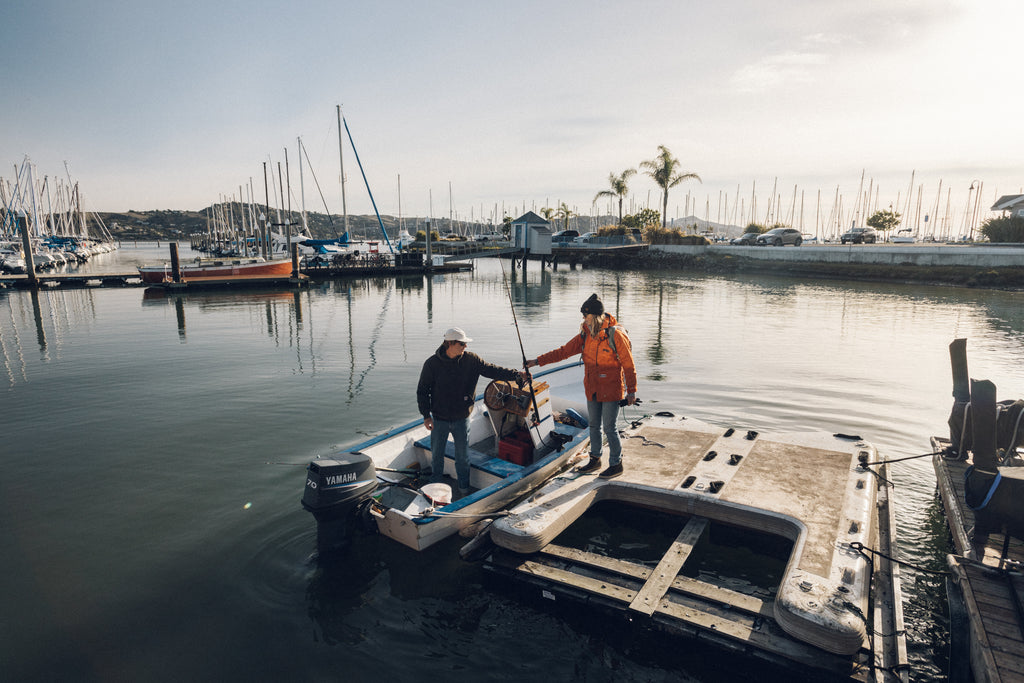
(564, 212)
(619, 188)
(664, 169)
(548, 213)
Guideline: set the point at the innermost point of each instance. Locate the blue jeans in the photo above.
(604, 414)
(459, 429)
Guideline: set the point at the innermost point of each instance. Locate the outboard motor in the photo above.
(335, 486)
(335, 489)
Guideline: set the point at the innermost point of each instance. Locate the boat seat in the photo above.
(485, 463)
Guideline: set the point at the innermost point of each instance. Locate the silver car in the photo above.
(780, 237)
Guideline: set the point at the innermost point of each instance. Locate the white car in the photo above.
(585, 237)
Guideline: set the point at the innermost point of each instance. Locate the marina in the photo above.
(272, 286)
(246, 388)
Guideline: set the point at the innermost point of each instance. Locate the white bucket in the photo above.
(441, 494)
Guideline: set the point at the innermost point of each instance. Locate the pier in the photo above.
(308, 272)
(986, 619)
(978, 478)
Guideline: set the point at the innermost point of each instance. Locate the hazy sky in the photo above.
(172, 105)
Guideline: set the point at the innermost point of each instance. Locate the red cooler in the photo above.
(516, 447)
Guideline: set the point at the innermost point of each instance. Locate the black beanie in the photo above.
(592, 305)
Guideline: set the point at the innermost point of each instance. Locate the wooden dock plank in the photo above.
(591, 585)
(995, 624)
(683, 584)
(609, 564)
(754, 634)
(665, 573)
(997, 644)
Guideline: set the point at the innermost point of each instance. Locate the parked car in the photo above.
(859, 236)
(745, 238)
(780, 237)
(564, 236)
(585, 237)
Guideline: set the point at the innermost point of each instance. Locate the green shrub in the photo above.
(658, 235)
(646, 218)
(1004, 229)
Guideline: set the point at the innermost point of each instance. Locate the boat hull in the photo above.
(220, 269)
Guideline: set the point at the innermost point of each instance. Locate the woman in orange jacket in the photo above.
(608, 375)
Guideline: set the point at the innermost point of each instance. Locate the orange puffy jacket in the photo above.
(606, 377)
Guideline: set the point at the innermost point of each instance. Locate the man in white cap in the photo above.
(445, 395)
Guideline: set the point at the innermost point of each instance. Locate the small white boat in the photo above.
(12, 259)
(905, 236)
(837, 606)
(516, 443)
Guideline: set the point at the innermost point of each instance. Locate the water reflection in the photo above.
(281, 310)
(45, 317)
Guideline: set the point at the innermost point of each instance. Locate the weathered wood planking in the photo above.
(737, 621)
(664, 574)
(996, 627)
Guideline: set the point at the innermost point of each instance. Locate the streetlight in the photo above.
(972, 213)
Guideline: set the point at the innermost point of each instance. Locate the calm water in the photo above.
(152, 450)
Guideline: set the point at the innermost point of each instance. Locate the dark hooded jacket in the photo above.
(447, 386)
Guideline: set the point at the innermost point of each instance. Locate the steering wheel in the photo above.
(498, 394)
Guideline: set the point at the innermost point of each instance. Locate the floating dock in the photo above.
(837, 609)
(987, 620)
(133, 279)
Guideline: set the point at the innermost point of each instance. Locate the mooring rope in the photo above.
(431, 512)
(887, 462)
(865, 550)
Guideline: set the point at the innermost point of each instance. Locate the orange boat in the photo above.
(218, 269)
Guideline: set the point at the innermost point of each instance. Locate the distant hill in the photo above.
(171, 224)
(167, 224)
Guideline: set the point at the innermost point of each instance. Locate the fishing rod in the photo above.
(529, 377)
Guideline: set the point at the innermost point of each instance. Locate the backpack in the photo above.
(611, 338)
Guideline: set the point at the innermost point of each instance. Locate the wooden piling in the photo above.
(175, 263)
(30, 266)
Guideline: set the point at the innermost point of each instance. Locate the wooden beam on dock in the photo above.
(664, 574)
(989, 597)
(688, 607)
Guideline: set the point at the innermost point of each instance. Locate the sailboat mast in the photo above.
(341, 160)
(302, 192)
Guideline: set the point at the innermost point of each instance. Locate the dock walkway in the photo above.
(987, 621)
(314, 272)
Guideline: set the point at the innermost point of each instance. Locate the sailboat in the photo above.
(342, 245)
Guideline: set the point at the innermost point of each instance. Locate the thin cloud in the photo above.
(780, 70)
